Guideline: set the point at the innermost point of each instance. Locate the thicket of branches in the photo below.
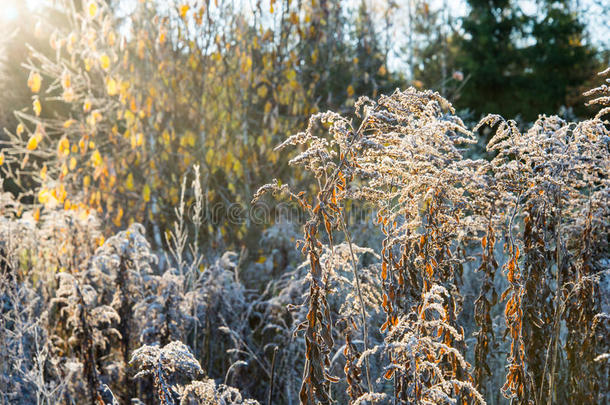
(490, 280)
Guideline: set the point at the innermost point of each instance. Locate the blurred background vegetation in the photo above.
(108, 104)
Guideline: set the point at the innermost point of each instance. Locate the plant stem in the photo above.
(362, 309)
(272, 373)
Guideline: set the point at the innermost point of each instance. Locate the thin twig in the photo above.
(362, 308)
(272, 373)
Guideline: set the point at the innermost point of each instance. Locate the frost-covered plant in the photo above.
(420, 353)
(85, 328)
(174, 369)
(121, 270)
(28, 371)
(167, 365)
(401, 159)
(545, 193)
(208, 393)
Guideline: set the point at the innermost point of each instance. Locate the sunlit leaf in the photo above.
(111, 87)
(129, 182)
(34, 140)
(34, 82)
(146, 193)
(63, 147)
(350, 90)
(184, 9)
(96, 158)
(92, 9)
(37, 107)
(105, 61)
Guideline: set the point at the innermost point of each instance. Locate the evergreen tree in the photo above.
(490, 57)
(524, 65)
(561, 59)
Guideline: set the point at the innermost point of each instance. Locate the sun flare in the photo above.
(12, 9)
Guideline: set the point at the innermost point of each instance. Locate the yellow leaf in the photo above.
(96, 158)
(146, 193)
(20, 129)
(34, 82)
(34, 140)
(37, 107)
(92, 9)
(72, 163)
(66, 81)
(119, 215)
(63, 147)
(209, 156)
(136, 140)
(44, 196)
(261, 259)
(237, 167)
(350, 90)
(60, 193)
(262, 91)
(268, 107)
(1, 158)
(184, 9)
(111, 87)
(82, 145)
(87, 105)
(86, 181)
(129, 182)
(68, 123)
(188, 139)
(43, 172)
(111, 38)
(105, 61)
(248, 64)
(165, 137)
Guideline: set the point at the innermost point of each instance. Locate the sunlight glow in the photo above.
(9, 12)
(11, 9)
